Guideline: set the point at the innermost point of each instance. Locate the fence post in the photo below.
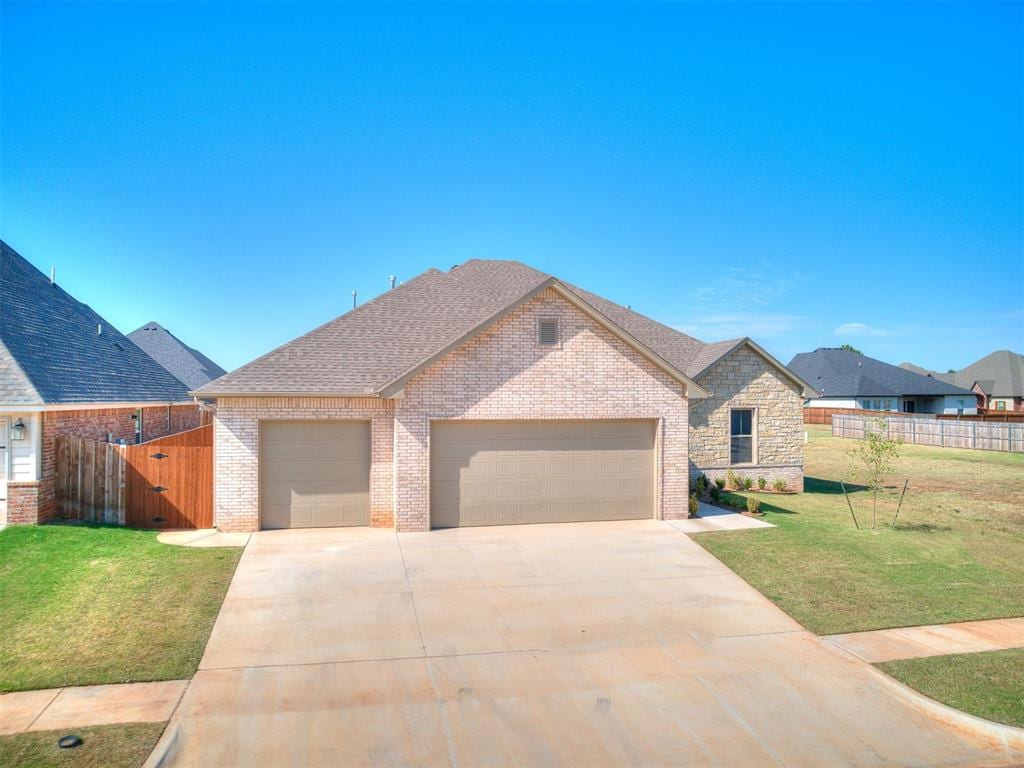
(974, 434)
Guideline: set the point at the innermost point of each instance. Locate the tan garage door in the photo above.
(510, 472)
(314, 473)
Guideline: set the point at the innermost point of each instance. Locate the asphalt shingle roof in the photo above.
(368, 348)
(1000, 374)
(50, 351)
(189, 366)
(841, 373)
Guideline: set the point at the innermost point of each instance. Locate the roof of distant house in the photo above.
(374, 348)
(54, 349)
(841, 373)
(999, 374)
(190, 366)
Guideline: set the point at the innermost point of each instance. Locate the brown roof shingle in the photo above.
(376, 344)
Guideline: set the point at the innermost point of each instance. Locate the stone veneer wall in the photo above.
(236, 442)
(744, 379)
(505, 373)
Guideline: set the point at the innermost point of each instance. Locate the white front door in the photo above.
(5, 464)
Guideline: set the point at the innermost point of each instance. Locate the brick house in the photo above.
(64, 370)
(494, 394)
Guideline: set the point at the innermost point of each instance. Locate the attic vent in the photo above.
(548, 330)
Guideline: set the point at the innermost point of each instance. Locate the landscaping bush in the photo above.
(720, 484)
(732, 480)
(702, 485)
(779, 485)
(747, 483)
(715, 491)
(694, 505)
(761, 483)
(753, 505)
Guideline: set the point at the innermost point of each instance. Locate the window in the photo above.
(548, 330)
(1000, 405)
(137, 418)
(741, 436)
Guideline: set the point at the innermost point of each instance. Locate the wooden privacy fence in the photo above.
(977, 435)
(818, 415)
(165, 483)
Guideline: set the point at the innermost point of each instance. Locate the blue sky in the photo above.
(807, 175)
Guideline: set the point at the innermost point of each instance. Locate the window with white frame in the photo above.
(741, 436)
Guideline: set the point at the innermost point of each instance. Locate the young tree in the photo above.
(874, 458)
(851, 348)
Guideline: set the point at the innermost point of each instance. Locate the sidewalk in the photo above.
(934, 640)
(58, 708)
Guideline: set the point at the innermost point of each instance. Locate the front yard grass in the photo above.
(957, 552)
(86, 604)
(104, 746)
(989, 685)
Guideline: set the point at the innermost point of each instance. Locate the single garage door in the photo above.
(314, 473)
(512, 472)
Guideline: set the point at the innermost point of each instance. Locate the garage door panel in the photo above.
(314, 473)
(498, 473)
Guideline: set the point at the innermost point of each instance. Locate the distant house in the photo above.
(189, 366)
(64, 370)
(997, 380)
(851, 380)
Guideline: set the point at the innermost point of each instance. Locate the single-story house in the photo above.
(996, 379)
(189, 366)
(846, 379)
(64, 370)
(494, 394)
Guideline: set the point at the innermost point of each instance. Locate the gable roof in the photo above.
(373, 349)
(189, 366)
(50, 351)
(841, 373)
(999, 374)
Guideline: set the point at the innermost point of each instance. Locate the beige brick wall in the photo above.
(236, 437)
(744, 379)
(506, 374)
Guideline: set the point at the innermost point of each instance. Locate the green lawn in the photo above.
(990, 685)
(956, 554)
(94, 604)
(104, 746)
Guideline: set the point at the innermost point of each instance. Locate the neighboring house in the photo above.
(847, 379)
(64, 370)
(997, 380)
(189, 366)
(494, 394)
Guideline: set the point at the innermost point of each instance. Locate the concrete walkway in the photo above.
(203, 537)
(561, 645)
(58, 708)
(934, 640)
(711, 518)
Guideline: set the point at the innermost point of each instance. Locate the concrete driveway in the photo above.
(575, 645)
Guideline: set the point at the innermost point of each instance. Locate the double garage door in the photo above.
(317, 473)
(511, 472)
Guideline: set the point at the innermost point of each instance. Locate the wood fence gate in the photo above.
(165, 483)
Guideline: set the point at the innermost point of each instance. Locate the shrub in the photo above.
(753, 505)
(747, 483)
(715, 491)
(694, 505)
(761, 483)
(779, 485)
(702, 484)
(720, 484)
(732, 480)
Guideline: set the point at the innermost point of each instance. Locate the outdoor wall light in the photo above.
(18, 430)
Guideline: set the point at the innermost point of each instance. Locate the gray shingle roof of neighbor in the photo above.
(50, 351)
(189, 366)
(367, 350)
(841, 373)
(1000, 374)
